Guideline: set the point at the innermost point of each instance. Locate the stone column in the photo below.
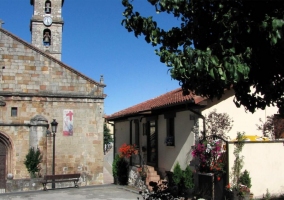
(39, 126)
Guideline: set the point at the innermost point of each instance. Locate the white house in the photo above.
(179, 119)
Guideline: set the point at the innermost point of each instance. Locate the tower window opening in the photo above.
(46, 37)
(47, 8)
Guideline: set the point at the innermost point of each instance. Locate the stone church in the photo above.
(36, 87)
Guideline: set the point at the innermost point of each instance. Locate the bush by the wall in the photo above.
(33, 159)
(120, 170)
(188, 178)
(245, 179)
(177, 174)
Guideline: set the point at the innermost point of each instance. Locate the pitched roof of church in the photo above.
(50, 57)
(168, 99)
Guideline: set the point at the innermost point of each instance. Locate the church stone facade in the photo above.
(35, 88)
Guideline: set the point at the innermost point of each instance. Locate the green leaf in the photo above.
(211, 73)
(277, 23)
(214, 60)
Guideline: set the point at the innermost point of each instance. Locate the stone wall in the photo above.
(21, 185)
(37, 84)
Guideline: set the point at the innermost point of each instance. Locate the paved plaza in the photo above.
(107, 192)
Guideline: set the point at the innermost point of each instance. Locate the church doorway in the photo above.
(2, 167)
(5, 160)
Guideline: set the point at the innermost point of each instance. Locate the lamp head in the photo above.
(54, 126)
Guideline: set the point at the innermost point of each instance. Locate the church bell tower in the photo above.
(47, 26)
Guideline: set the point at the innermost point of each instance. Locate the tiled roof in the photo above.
(170, 98)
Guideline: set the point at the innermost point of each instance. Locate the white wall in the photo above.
(184, 140)
(168, 155)
(244, 121)
(121, 134)
(265, 164)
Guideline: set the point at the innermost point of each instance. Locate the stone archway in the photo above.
(5, 160)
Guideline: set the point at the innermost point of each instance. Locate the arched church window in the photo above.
(47, 7)
(46, 37)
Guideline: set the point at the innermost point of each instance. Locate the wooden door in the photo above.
(2, 168)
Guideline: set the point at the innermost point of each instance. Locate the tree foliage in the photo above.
(218, 124)
(225, 44)
(33, 159)
(273, 127)
(107, 135)
(267, 127)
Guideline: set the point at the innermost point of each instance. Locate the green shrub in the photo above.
(33, 159)
(188, 178)
(120, 170)
(177, 174)
(114, 165)
(245, 179)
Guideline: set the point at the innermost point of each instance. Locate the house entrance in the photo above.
(2, 167)
(152, 151)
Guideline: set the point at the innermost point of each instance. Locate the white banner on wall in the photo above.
(67, 122)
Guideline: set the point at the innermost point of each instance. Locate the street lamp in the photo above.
(53, 130)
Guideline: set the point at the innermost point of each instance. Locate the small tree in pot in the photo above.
(33, 159)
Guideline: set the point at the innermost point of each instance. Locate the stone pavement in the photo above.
(108, 158)
(108, 191)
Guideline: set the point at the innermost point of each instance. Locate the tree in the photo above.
(218, 124)
(33, 159)
(273, 127)
(267, 127)
(107, 135)
(220, 45)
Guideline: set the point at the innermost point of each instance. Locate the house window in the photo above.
(170, 138)
(46, 37)
(47, 8)
(14, 112)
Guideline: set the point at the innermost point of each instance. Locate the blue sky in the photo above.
(95, 43)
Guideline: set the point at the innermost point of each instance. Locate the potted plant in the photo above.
(208, 152)
(246, 180)
(169, 141)
(120, 163)
(120, 170)
(188, 181)
(127, 150)
(33, 159)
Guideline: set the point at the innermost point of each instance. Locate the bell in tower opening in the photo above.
(46, 37)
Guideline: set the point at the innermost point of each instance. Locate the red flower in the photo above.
(127, 150)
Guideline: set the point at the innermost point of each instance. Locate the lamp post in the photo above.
(53, 130)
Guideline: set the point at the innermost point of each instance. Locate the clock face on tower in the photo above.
(47, 21)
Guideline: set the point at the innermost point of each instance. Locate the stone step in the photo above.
(152, 175)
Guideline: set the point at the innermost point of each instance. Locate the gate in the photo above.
(2, 168)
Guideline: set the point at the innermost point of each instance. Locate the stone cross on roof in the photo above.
(1, 22)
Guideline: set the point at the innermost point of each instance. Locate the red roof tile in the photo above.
(170, 98)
